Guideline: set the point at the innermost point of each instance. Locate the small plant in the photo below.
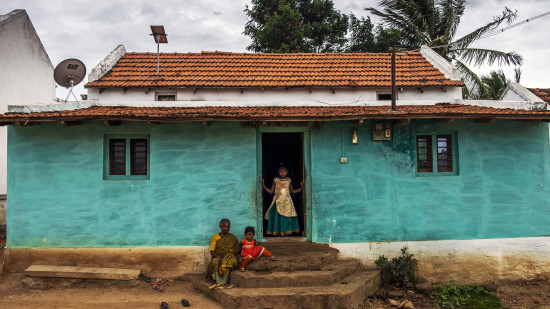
(464, 296)
(399, 270)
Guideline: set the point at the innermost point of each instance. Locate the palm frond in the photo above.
(517, 74)
(481, 56)
(413, 18)
(451, 12)
(475, 89)
(507, 16)
(412, 36)
(495, 83)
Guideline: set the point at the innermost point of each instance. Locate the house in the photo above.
(26, 77)
(516, 92)
(141, 173)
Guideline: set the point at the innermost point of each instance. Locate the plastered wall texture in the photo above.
(501, 190)
(198, 175)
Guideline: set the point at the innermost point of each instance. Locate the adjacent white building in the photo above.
(26, 77)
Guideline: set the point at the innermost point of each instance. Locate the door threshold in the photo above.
(274, 239)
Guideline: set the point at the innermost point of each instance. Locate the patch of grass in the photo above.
(399, 270)
(464, 296)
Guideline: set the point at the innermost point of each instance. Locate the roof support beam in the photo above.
(404, 121)
(153, 123)
(205, 124)
(69, 123)
(445, 120)
(485, 120)
(112, 123)
(26, 123)
(530, 121)
(6, 123)
(357, 122)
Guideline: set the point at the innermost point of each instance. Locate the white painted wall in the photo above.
(277, 96)
(516, 92)
(26, 73)
(480, 261)
(511, 96)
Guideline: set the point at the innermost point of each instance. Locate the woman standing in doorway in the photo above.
(281, 215)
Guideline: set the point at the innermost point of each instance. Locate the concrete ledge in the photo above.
(82, 272)
(165, 262)
(479, 261)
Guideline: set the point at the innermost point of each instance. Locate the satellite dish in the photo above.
(68, 73)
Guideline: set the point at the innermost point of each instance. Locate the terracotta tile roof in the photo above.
(271, 113)
(219, 69)
(543, 93)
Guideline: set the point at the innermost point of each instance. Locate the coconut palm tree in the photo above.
(434, 23)
(494, 85)
(496, 82)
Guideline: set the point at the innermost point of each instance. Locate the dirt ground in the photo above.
(524, 295)
(20, 291)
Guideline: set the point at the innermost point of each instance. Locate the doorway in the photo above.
(287, 149)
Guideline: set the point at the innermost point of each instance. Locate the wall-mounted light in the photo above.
(381, 131)
(354, 137)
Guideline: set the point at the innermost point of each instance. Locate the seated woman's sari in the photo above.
(227, 247)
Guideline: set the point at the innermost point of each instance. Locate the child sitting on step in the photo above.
(249, 250)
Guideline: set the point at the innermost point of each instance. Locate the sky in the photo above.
(89, 30)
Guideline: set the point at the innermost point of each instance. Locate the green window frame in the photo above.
(436, 154)
(126, 157)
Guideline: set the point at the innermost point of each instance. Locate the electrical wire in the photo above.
(499, 31)
(493, 32)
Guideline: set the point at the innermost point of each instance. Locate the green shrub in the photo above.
(399, 270)
(464, 296)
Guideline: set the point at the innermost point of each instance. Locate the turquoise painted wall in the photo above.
(58, 197)
(502, 189)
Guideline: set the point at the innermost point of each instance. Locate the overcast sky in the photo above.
(89, 30)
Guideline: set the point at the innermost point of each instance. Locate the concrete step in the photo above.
(295, 256)
(328, 274)
(349, 292)
(82, 272)
(282, 248)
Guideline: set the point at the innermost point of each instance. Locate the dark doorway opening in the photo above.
(288, 149)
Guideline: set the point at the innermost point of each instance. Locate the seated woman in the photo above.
(223, 249)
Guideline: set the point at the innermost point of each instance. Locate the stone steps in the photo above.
(325, 275)
(305, 275)
(293, 263)
(348, 293)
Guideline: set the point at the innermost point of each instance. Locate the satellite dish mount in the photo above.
(68, 73)
(160, 37)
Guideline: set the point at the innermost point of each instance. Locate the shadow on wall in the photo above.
(2, 212)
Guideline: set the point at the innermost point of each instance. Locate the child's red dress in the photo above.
(250, 250)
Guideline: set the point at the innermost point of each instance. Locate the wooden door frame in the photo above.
(306, 152)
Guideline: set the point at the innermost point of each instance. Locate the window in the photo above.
(384, 96)
(165, 96)
(444, 147)
(126, 157)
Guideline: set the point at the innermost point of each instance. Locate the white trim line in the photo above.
(107, 63)
(73, 105)
(440, 63)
